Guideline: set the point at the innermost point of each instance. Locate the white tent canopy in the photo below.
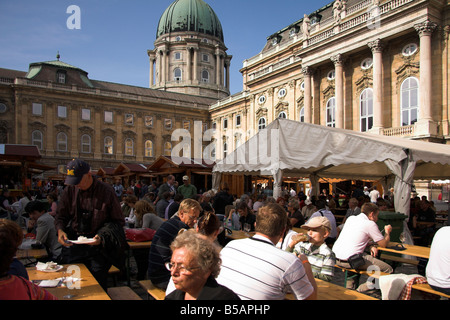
(296, 149)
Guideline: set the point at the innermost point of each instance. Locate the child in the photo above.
(320, 256)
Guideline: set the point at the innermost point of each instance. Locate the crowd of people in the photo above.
(190, 256)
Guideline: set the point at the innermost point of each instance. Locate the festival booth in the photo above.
(18, 164)
(297, 149)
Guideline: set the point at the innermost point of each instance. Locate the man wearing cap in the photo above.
(189, 191)
(320, 256)
(90, 209)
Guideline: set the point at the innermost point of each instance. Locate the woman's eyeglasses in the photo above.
(180, 267)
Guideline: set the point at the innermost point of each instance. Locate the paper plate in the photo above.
(86, 241)
(56, 269)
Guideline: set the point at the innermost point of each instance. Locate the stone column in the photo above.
(188, 65)
(338, 61)
(307, 72)
(195, 65)
(425, 124)
(227, 72)
(377, 47)
(218, 64)
(152, 59)
(163, 67)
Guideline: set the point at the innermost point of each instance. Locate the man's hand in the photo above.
(62, 239)
(97, 241)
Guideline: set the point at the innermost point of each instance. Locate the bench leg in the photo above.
(355, 276)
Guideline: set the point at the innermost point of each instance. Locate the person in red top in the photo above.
(14, 287)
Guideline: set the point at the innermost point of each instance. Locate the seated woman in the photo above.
(246, 215)
(146, 216)
(194, 265)
(15, 287)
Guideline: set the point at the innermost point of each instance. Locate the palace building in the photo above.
(378, 66)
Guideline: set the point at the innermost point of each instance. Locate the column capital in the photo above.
(338, 60)
(425, 28)
(376, 46)
(307, 71)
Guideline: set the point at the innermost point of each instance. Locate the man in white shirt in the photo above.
(255, 269)
(354, 237)
(374, 195)
(438, 267)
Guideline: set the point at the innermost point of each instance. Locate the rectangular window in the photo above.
(86, 114)
(238, 120)
(108, 117)
(62, 112)
(37, 109)
(61, 77)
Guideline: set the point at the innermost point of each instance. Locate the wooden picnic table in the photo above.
(134, 246)
(239, 234)
(86, 289)
(411, 250)
(330, 291)
(31, 253)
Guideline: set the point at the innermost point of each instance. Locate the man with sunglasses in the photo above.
(160, 252)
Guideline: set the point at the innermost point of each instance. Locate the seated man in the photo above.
(45, 228)
(319, 255)
(255, 269)
(354, 237)
(160, 252)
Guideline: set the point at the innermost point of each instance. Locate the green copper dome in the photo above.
(190, 15)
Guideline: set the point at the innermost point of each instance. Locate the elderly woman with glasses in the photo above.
(194, 265)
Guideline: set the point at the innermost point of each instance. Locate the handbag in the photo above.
(139, 234)
(356, 261)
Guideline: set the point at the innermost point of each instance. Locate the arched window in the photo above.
(37, 139)
(167, 149)
(86, 143)
(109, 145)
(409, 101)
(366, 109)
(225, 149)
(262, 123)
(301, 115)
(282, 114)
(331, 113)
(177, 75)
(129, 147)
(61, 142)
(205, 76)
(148, 147)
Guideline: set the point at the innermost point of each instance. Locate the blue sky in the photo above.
(115, 35)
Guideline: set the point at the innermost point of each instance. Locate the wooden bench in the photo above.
(330, 291)
(426, 288)
(114, 271)
(358, 273)
(122, 293)
(156, 293)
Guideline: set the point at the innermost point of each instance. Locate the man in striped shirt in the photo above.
(255, 269)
